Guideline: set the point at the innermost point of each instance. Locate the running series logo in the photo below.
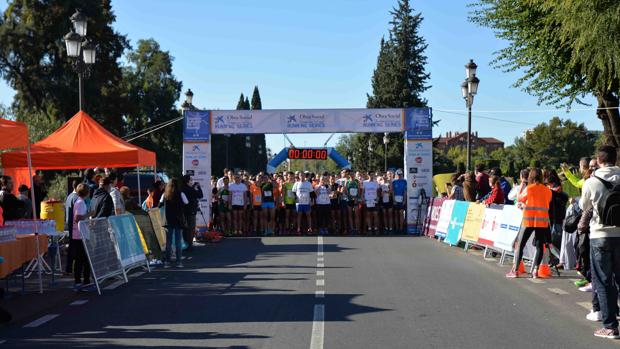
(381, 120)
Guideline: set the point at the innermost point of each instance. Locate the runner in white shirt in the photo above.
(386, 202)
(370, 193)
(238, 202)
(323, 205)
(302, 191)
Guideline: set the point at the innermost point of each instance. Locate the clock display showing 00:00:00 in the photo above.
(307, 154)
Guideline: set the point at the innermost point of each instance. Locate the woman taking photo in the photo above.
(535, 220)
(173, 202)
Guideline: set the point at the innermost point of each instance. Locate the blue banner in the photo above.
(457, 220)
(418, 123)
(125, 230)
(196, 126)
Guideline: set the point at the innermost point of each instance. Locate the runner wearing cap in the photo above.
(399, 191)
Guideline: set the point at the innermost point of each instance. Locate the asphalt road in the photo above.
(332, 292)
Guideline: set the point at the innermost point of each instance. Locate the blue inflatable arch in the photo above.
(333, 154)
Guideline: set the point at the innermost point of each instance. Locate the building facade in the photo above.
(459, 139)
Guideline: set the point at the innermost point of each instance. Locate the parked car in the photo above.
(146, 180)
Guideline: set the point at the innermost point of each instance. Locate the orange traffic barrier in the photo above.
(544, 271)
(521, 269)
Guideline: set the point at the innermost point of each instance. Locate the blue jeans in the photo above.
(605, 260)
(178, 242)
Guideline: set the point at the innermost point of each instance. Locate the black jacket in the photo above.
(12, 207)
(193, 194)
(557, 208)
(102, 204)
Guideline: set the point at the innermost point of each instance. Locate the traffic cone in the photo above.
(521, 269)
(544, 271)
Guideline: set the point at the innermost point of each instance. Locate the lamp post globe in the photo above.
(73, 41)
(79, 21)
(470, 69)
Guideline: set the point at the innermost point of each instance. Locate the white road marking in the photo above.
(40, 321)
(318, 327)
(320, 259)
(320, 240)
(557, 291)
(320, 249)
(80, 302)
(320, 265)
(586, 305)
(320, 272)
(114, 285)
(319, 294)
(535, 281)
(320, 282)
(320, 253)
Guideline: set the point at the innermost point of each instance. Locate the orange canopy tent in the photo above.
(13, 134)
(80, 143)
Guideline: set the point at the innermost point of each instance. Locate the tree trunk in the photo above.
(610, 119)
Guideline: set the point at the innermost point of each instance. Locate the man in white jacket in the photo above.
(604, 240)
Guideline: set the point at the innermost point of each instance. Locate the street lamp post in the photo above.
(386, 140)
(469, 88)
(81, 50)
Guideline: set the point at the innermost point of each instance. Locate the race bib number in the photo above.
(370, 203)
(398, 198)
(267, 194)
(258, 198)
(237, 199)
(353, 191)
(304, 198)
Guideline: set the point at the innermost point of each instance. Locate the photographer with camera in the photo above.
(193, 192)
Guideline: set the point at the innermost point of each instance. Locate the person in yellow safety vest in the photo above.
(535, 220)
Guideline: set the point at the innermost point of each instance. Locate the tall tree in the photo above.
(151, 91)
(398, 81)
(34, 62)
(241, 103)
(566, 49)
(256, 102)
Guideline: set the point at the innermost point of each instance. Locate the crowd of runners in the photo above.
(298, 203)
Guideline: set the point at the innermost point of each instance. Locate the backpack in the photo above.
(609, 204)
(573, 217)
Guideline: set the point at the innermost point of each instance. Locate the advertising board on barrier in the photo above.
(455, 227)
(129, 242)
(473, 222)
(490, 225)
(433, 216)
(419, 176)
(444, 218)
(160, 233)
(509, 228)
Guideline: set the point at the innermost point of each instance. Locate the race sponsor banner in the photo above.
(444, 218)
(509, 228)
(419, 175)
(197, 163)
(306, 121)
(473, 222)
(419, 123)
(130, 246)
(196, 126)
(434, 212)
(490, 225)
(455, 227)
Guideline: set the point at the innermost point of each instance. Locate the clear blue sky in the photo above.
(321, 54)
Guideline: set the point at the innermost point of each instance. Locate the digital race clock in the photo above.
(307, 154)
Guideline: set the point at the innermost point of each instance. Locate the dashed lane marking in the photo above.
(319, 294)
(320, 265)
(80, 302)
(40, 321)
(320, 273)
(318, 327)
(535, 281)
(557, 291)
(320, 259)
(320, 282)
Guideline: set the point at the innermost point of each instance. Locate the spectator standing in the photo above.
(81, 272)
(101, 205)
(23, 197)
(521, 189)
(174, 202)
(12, 208)
(456, 192)
(604, 237)
(89, 180)
(535, 220)
(115, 193)
(193, 193)
(503, 183)
(497, 195)
(40, 192)
(482, 179)
(69, 203)
(470, 187)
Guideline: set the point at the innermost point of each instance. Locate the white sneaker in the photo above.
(594, 316)
(586, 288)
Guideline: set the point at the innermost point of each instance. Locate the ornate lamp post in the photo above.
(81, 50)
(469, 88)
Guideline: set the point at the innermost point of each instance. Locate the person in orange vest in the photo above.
(535, 220)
